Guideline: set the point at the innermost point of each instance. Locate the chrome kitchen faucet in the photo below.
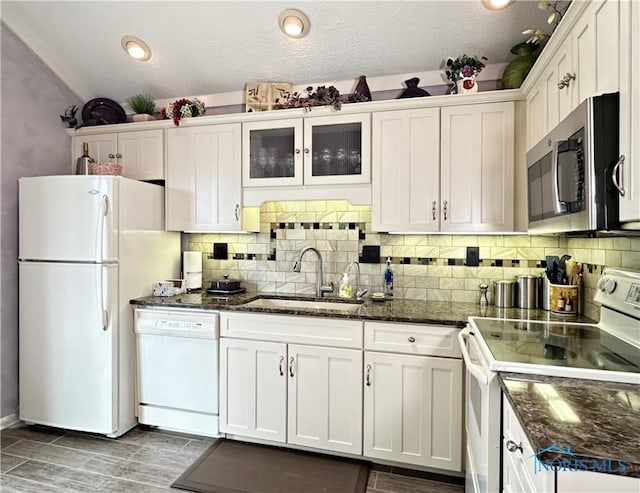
(320, 288)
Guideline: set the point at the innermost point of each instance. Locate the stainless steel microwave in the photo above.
(571, 171)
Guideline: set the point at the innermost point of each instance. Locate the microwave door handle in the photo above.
(556, 182)
(478, 371)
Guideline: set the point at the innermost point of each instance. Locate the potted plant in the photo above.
(462, 72)
(183, 108)
(144, 106)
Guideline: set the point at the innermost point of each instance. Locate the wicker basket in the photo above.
(106, 169)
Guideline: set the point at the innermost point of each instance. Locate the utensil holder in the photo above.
(563, 299)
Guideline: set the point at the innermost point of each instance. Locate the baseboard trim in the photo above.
(8, 421)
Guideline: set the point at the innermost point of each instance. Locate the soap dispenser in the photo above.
(388, 279)
(346, 290)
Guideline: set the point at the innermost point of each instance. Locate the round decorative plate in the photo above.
(103, 110)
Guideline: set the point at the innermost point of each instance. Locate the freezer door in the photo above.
(68, 218)
(68, 345)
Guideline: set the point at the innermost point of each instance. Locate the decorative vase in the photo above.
(362, 89)
(412, 90)
(515, 73)
(466, 85)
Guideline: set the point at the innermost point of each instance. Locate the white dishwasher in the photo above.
(177, 369)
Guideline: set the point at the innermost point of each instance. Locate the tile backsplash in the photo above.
(426, 267)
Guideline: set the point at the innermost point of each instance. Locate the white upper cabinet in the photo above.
(141, 153)
(204, 184)
(406, 170)
(585, 62)
(596, 48)
(322, 150)
(628, 173)
(477, 168)
(444, 169)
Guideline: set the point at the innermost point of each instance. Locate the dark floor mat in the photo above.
(238, 467)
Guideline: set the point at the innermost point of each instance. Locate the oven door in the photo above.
(482, 418)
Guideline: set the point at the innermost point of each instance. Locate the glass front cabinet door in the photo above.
(332, 149)
(272, 153)
(337, 149)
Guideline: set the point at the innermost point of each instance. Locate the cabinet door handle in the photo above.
(566, 80)
(433, 210)
(236, 212)
(281, 367)
(412, 339)
(297, 151)
(368, 376)
(112, 156)
(513, 446)
(615, 176)
(307, 150)
(291, 370)
(444, 209)
(118, 155)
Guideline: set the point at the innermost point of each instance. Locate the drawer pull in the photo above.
(513, 446)
(412, 339)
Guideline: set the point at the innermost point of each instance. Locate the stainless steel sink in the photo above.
(284, 304)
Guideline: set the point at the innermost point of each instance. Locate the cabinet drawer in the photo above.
(429, 340)
(291, 329)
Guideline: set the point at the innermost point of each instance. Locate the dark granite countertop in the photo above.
(427, 312)
(598, 420)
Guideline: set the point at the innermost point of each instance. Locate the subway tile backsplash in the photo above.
(426, 267)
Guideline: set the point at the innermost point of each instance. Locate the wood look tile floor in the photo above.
(44, 460)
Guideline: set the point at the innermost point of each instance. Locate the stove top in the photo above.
(557, 349)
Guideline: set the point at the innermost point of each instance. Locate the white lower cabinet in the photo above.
(413, 409)
(323, 394)
(517, 458)
(413, 394)
(325, 398)
(253, 389)
(520, 475)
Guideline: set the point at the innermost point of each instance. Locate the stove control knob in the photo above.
(601, 283)
(610, 285)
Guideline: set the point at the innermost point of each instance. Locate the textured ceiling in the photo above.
(210, 47)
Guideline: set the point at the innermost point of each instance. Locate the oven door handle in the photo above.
(478, 371)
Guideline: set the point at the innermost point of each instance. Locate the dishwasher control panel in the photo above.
(178, 325)
(184, 323)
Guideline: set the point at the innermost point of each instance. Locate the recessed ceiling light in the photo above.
(293, 23)
(496, 4)
(136, 48)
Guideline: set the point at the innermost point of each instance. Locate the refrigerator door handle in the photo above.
(102, 216)
(103, 313)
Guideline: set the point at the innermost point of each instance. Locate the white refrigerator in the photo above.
(87, 245)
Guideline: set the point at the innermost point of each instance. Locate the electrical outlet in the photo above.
(220, 251)
(473, 256)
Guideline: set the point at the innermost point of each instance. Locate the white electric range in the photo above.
(608, 351)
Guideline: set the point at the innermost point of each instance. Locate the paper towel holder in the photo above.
(192, 270)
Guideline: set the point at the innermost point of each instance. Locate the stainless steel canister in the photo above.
(503, 293)
(543, 291)
(527, 291)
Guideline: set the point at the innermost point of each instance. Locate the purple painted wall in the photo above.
(33, 142)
